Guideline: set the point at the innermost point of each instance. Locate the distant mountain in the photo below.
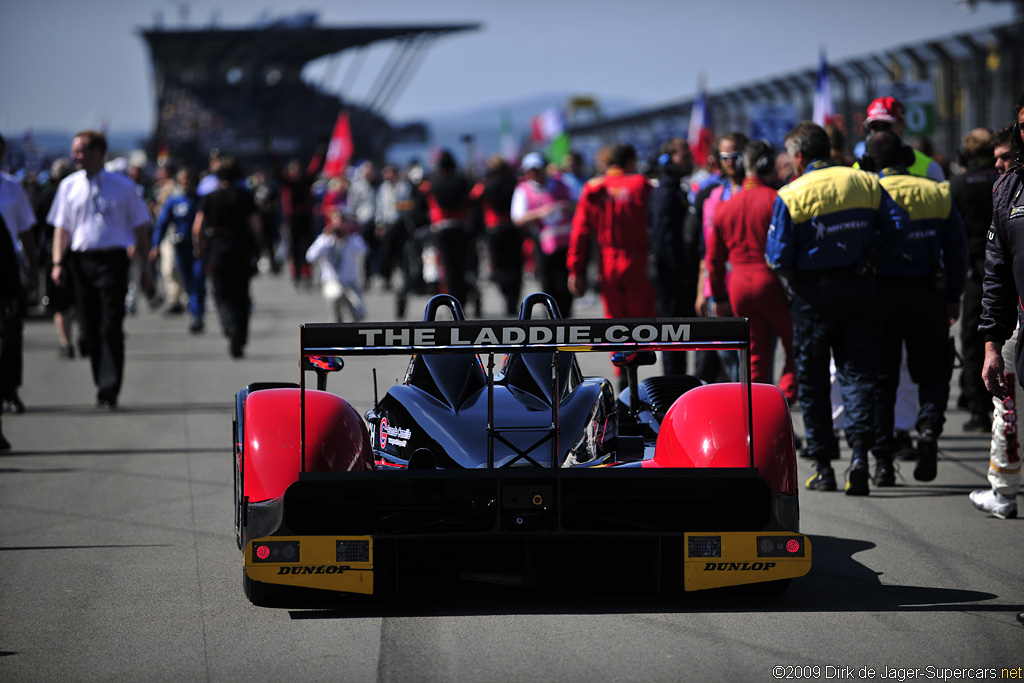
(48, 145)
(484, 124)
(446, 131)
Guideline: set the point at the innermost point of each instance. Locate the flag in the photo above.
(823, 111)
(558, 148)
(507, 140)
(340, 150)
(699, 133)
(547, 125)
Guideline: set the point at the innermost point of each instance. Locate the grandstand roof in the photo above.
(280, 44)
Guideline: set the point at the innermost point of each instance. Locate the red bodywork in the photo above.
(705, 428)
(336, 439)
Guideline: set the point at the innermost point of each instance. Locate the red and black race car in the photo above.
(512, 471)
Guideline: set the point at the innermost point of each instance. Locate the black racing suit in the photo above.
(972, 192)
(1004, 264)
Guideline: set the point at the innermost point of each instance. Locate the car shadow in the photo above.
(837, 583)
(14, 452)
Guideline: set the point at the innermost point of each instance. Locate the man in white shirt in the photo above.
(100, 222)
(16, 212)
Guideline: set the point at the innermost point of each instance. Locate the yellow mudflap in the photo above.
(715, 560)
(334, 563)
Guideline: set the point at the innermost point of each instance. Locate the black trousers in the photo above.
(913, 315)
(453, 244)
(392, 245)
(553, 274)
(230, 266)
(972, 342)
(100, 284)
(506, 247)
(677, 290)
(12, 353)
(301, 236)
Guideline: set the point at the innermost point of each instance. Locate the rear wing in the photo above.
(321, 342)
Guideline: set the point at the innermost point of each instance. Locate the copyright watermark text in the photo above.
(891, 673)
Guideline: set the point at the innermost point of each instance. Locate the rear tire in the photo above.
(259, 593)
(238, 512)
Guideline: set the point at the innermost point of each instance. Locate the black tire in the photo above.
(237, 488)
(261, 594)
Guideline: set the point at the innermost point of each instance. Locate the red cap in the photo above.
(886, 109)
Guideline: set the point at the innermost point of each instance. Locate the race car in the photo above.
(518, 471)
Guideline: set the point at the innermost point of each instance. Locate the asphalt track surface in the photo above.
(118, 560)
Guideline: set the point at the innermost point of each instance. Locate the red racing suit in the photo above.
(613, 208)
(740, 230)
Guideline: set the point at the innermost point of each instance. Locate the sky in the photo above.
(66, 65)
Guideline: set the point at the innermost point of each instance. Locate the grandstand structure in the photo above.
(242, 90)
(949, 84)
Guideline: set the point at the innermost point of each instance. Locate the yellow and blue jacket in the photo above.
(833, 219)
(936, 243)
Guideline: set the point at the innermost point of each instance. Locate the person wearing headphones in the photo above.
(920, 285)
(673, 261)
(738, 235)
(1001, 310)
(887, 113)
(828, 229)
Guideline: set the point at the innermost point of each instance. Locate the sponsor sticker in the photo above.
(738, 566)
(503, 335)
(396, 435)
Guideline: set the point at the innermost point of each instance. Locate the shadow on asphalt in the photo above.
(83, 547)
(189, 408)
(107, 451)
(919, 490)
(837, 583)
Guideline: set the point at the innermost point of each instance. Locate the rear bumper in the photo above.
(521, 522)
(695, 561)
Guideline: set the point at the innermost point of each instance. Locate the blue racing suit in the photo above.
(916, 282)
(828, 228)
(178, 214)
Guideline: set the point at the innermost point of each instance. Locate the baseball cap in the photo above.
(532, 161)
(887, 109)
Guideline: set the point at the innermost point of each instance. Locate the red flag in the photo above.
(340, 150)
(700, 134)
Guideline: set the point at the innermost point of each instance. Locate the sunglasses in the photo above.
(733, 156)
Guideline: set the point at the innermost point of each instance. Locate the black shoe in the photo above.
(196, 326)
(905, 447)
(106, 403)
(174, 309)
(885, 474)
(5, 445)
(857, 479)
(823, 480)
(236, 350)
(927, 456)
(980, 423)
(14, 404)
(66, 352)
(1020, 617)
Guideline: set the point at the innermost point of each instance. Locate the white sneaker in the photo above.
(995, 504)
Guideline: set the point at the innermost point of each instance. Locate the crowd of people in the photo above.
(855, 269)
